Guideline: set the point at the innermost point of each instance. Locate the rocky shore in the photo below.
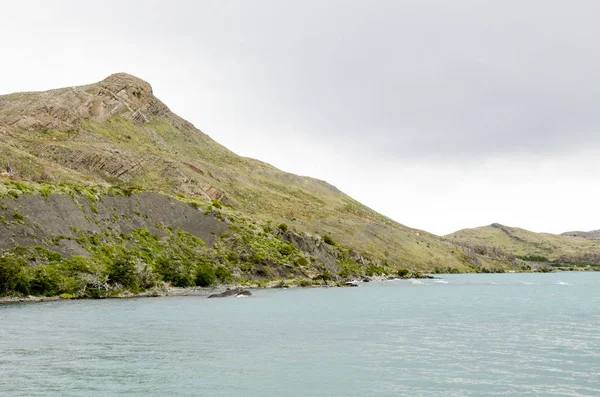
(219, 292)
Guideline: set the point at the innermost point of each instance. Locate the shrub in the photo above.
(45, 191)
(205, 274)
(534, 258)
(325, 276)
(223, 274)
(283, 227)
(305, 282)
(328, 240)
(374, 270)
(301, 261)
(175, 271)
(286, 249)
(257, 257)
(217, 204)
(233, 256)
(122, 270)
(12, 276)
(45, 280)
(403, 273)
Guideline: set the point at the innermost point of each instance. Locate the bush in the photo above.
(374, 270)
(217, 204)
(305, 282)
(223, 274)
(328, 240)
(283, 227)
(177, 272)
(325, 276)
(301, 261)
(534, 258)
(122, 270)
(286, 249)
(257, 257)
(205, 274)
(233, 256)
(12, 276)
(403, 273)
(46, 280)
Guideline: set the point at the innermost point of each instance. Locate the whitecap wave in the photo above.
(562, 283)
(417, 282)
(441, 281)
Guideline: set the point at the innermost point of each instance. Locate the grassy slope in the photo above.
(166, 154)
(522, 242)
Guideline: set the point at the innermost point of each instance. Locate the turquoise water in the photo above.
(465, 335)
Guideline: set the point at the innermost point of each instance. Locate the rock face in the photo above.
(32, 220)
(118, 95)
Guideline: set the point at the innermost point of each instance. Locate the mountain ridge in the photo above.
(117, 131)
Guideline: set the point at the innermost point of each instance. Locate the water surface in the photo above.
(465, 335)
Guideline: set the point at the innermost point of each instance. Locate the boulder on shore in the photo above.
(231, 292)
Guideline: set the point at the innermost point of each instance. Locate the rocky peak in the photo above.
(120, 94)
(122, 81)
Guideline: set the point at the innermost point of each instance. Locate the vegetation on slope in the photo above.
(104, 252)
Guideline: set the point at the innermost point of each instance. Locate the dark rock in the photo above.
(366, 280)
(231, 292)
(351, 284)
(226, 293)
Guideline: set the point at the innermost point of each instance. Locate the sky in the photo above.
(442, 115)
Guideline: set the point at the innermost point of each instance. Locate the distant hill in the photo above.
(593, 235)
(524, 243)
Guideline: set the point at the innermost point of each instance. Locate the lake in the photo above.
(462, 335)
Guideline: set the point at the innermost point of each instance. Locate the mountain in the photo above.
(592, 235)
(114, 138)
(536, 246)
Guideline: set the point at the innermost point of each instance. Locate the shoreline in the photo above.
(205, 292)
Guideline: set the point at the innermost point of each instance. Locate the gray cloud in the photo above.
(399, 78)
(463, 112)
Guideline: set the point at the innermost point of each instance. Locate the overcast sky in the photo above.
(439, 114)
